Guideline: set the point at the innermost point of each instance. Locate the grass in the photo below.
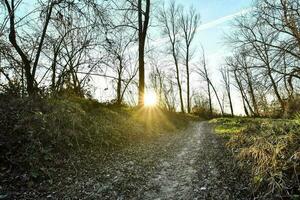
(270, 148)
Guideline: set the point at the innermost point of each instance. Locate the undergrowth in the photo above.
(271, 148)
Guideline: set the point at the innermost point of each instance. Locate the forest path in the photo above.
(175, 178)
(197, 170)
(184, 165)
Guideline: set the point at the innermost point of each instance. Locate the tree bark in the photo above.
(178, 79)
(142, 33)
(188, 80)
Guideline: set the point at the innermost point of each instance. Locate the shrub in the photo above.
(293, 106)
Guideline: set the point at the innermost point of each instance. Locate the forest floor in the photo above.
(191, 164)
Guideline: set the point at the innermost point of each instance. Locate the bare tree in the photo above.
(169, 19)
(206, 77)
(189, 22)
(267, 58)
(239, 85)
(29, 67)
(64, 37)
(117, 46)
(203, 72)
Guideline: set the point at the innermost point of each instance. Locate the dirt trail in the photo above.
(200, 169)
(174, 180)
(190, 164)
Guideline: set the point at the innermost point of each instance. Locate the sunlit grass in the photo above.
(228, 130)
(230, 126)
(153, 116)
(270, 147)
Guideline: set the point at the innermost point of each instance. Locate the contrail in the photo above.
(224, 19)
(210, 24)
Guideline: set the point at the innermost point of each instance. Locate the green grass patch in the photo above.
(228, 130)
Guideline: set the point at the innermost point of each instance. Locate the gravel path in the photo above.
(190, 164)
(174, 179)
(201, 169)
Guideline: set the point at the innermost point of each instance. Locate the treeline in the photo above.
(52, 47)
(55, 46)
(264, 66)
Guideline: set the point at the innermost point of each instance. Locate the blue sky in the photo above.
(216, 19)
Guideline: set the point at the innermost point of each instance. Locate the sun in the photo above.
(150, 99)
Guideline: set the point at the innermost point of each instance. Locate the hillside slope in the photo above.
(44, 140)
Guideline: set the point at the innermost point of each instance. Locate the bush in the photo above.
(293, 106)
(201, 108)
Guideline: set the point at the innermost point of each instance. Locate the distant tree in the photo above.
(117, 45)
(203, 72)
(226, 80)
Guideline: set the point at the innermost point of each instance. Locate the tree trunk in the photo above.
(188, 81)
(244, 97)
(251, 92)
(119, 88)
(12, 38)
(275, 88)
(217, 96)
(143, 26)
(208, 84)
(230, 101)
(178, 79)
(141, 74)
(209, 98)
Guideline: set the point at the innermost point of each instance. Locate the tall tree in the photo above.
(189, 22)
(204, 72)
(118, 59)
(234, 68)
(264, 54)
(143, 21)
(169, 19)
